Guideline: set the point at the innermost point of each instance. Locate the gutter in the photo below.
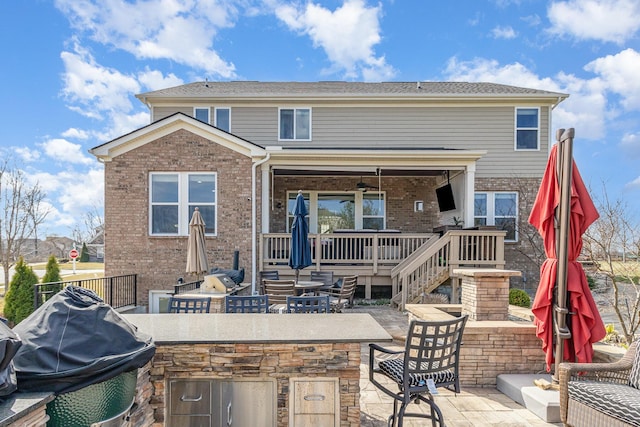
(254, 232)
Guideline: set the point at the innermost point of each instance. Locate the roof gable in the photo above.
(168, 125)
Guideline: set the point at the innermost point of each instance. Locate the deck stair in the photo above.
(432, 263)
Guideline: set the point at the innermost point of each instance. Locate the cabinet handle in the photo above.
(317, 397)
(229, 419)
(183, 398)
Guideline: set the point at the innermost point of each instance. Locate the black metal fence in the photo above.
(117, 291)
(182, 288)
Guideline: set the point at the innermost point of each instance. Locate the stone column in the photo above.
(485, 292)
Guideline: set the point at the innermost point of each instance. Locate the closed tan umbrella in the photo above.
(196, 251)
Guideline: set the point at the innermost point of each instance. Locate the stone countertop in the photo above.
(17, 405)
(259, 328)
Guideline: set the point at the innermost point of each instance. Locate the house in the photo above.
(385, 168)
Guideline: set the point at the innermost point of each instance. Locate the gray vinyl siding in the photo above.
(160, 113)
(467, 128)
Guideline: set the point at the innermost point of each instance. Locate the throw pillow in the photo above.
(634, 376)
(338, 283)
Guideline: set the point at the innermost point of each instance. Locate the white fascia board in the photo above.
(140, 137)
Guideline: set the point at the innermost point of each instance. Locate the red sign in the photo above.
(73, 254)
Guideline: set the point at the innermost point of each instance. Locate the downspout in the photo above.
(254, 231)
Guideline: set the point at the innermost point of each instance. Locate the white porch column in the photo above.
(265, 197)
(469, 191)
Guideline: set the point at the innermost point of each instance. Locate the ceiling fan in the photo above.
(363, 186)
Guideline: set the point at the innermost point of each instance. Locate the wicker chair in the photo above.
(601, 394)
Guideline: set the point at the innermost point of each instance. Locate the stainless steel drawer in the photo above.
(190, 397)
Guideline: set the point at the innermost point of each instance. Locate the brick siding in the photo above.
(159, 261)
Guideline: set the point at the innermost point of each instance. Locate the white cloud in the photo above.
(154, 79)
(72, 193)
(606, 20)
(633, 185)
(181, 31)
(347, 35)
(630, 145)
(620, 72)
(75, 133)
(95, 88)
(504, 32)
(63, 151)
(27, 154)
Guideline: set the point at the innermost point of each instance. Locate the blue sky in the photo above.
(70, 69)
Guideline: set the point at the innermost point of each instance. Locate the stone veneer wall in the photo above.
(159, 261)
(274, 360)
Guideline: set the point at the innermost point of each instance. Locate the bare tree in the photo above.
(92, 222)
(613, 245)
(36, 211)
(17, 200)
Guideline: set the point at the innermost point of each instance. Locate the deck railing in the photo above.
(424, 270)
(117, 291)
(367, 249)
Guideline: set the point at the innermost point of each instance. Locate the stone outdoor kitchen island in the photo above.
(253, 369)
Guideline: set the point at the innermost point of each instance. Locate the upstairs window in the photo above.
(527, 128)
(499, 210)
(173, 199)
(223, 118)
(295, 124)
(201, 114)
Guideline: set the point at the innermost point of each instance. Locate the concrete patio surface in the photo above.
(474, 406)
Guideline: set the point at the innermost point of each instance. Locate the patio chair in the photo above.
(247, 304)
(308, 304)
(278, 291)
(325, 277)
(430, 360)
(343, 296)
(601, 394)
(189, 305)
(267, 274)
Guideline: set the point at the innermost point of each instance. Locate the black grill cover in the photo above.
(236, 275)
(9, 345)
(75, 340)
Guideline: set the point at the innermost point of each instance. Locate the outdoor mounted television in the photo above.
(444, 195)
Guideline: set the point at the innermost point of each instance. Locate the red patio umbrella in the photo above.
(562, 212)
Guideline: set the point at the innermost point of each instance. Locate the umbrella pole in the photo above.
(565, 153)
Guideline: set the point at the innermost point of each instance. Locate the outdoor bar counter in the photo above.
(255, 369)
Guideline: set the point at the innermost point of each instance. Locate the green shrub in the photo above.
(519, 298)
(591, 282)
(19, 297)
(52, 273)
(84, 253)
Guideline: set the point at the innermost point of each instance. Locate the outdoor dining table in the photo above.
(304, 286)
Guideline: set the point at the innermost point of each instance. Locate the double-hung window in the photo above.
(527, 135)
(223, 118)
(174, 197)
(294, 124)
(497, 209)
(201, 114)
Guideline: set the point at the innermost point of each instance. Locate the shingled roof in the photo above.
(330, 89)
